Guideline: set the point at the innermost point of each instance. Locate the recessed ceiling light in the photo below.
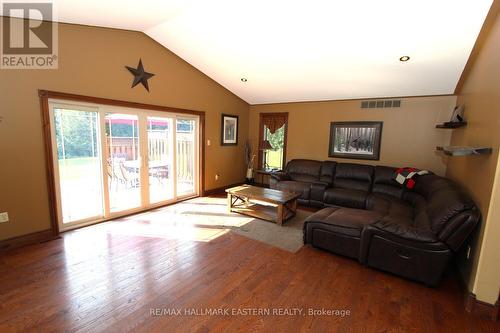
(404, 58)
(243, 79)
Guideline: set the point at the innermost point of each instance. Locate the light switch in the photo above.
(4, 217)
(208, 142)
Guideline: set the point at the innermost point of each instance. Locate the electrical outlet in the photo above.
(4, 217)
(469, 249)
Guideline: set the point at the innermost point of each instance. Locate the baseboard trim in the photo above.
(220, 190)
(32, 238)
(480, 308)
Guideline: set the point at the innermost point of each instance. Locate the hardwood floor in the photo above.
(101, 279)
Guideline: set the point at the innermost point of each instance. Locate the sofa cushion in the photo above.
(346, 221)
(298, 187)
(327, 172)
(346, 197)
(353, 176)
(419, 204)
(428, 184)
(389, 205)
(384, 183)
(304, 170)
(404, 228)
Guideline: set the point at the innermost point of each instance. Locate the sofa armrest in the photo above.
(318, 191)
(459, 228)
(276, 177)
(279, 176)
(403, 234)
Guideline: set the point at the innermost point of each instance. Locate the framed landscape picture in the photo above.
(355, 139)
(229, 130)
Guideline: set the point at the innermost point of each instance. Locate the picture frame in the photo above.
(229, 130)
(355, 139)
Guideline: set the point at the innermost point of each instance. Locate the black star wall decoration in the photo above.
(140, 75)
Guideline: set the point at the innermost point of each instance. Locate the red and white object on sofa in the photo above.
(405, 176)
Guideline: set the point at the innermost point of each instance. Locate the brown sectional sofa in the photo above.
(366, 215)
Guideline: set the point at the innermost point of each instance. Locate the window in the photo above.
(272, 145)
(111, 161)
(78, 162)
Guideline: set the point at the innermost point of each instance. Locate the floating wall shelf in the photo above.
(464, 151)
(452, 124)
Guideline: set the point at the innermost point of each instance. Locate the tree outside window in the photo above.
(274, 158)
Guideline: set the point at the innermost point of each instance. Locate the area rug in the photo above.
(211, 211)
(288, 237)
(205, 219)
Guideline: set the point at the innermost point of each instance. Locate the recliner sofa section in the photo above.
(369, 217)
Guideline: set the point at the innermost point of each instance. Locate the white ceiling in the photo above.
(305, 50)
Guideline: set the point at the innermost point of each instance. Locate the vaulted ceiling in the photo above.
(305, 50)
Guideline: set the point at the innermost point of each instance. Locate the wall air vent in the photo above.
(381, 103)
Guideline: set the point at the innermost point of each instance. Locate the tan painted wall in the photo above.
(481, 95)
(487, 279)
(91, 62)
(409, 136)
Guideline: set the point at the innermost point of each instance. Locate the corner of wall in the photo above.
(478, 91)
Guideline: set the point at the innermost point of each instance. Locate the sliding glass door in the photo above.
(186, 156)
(123, 162)
(160, 159)
(77, 150)
(113, 161)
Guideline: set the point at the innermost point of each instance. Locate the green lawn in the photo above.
(274, 159)
(78, 168)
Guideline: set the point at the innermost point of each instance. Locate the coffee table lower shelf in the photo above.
(264, 212)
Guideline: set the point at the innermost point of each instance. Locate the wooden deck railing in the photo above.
(158, 149)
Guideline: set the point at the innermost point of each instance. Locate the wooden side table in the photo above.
(263, 173)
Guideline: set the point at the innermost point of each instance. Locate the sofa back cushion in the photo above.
(420, 217)
(303, 170)
(327, 172)
(444, 204)
(426, 185)
(353, 176)
(384, 183)
(438, 200)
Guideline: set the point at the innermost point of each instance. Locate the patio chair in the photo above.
(130, 178)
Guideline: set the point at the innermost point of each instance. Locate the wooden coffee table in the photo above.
(263, 203)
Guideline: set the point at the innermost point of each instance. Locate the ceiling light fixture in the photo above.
(404, 58)
(243, 79)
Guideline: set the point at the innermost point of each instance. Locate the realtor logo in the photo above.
(29, 36)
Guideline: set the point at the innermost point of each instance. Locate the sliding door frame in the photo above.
(45, 95)
(56, 168)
